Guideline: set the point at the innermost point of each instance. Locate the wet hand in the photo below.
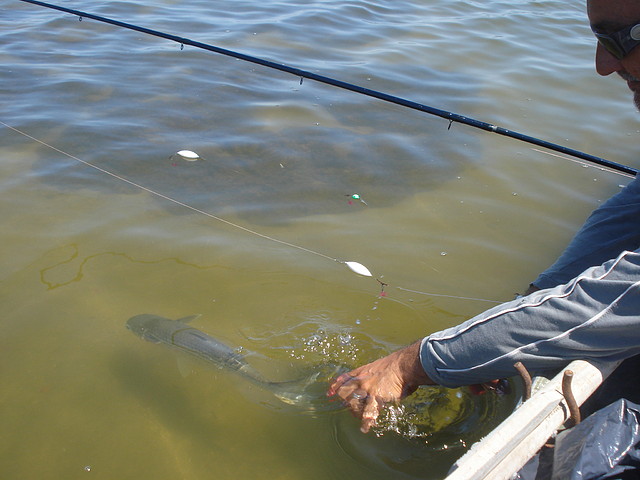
(365, 390)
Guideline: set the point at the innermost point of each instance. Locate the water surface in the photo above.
(449, 211)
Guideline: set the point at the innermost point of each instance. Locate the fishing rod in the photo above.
(452, 117)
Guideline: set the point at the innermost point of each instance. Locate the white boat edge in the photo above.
(503, 452)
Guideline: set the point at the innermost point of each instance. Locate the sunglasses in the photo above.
(620, 43)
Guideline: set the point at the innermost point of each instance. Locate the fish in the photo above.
(306, 392)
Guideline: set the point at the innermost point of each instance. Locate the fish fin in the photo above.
(188, 319)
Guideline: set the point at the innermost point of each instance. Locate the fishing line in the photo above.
(605, 169)
(448, 296)
(450, 116)
(353, 266)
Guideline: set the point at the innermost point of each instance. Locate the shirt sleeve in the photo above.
(609, 230)
(595, 316)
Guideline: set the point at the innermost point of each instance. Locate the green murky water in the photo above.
(456, 212)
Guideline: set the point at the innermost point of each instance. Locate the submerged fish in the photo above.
(307, 392)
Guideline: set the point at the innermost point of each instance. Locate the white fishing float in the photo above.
(188, 155)
(359, 269)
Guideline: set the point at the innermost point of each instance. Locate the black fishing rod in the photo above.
(452, 117)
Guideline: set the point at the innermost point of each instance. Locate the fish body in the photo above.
(306, 393)
(179, 335)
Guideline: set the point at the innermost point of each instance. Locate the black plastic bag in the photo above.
(605, 446)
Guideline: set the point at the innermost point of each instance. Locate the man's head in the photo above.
(610, 17)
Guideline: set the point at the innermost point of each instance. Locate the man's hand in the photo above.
(367, 389)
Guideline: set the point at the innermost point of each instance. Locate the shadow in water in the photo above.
(167, 400)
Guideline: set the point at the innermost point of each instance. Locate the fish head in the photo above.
(146, 326)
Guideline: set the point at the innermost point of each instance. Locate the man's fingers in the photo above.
(338, 383)
(370, 413)
(345, 384)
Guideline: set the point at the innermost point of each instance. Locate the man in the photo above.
(587, 305)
